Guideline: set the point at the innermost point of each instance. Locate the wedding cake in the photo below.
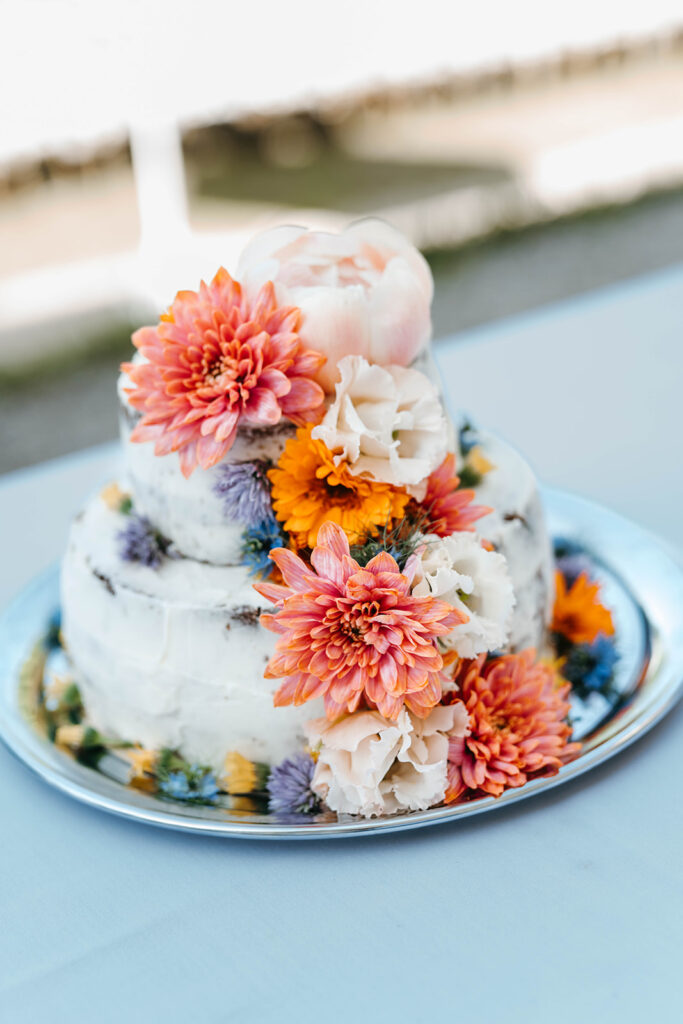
(302, 539)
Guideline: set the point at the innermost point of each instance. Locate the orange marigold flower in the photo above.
(309, 489)
(214, 361)
(352, 634)
(578, 614)
(518, 710)
(446, 508)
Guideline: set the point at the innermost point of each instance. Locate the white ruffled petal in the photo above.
(369, 765)
(459, 571)
(386, 422)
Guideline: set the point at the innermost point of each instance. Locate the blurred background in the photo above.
(532, 153)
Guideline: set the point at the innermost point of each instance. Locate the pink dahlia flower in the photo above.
(518, 725)
(447, 509)
(349, 633)
(217, 360)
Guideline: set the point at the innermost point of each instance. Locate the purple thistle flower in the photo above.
(571, 567)
(245, 490)
(139, 542)
(289, 786)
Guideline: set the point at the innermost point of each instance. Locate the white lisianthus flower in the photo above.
(386, 422)
(370, 765)
(459, 571)
(366, 290)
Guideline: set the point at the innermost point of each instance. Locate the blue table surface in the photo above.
(565, 908)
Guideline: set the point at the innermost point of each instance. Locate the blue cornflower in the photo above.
(54, 626)
(206, 787)
(257, 543)
(176, 786)
(467, 438)
(591, 666)
(194, 784)
(565, 546)
(245, 490)
(140, 542)
(289, 786)
(604, 655)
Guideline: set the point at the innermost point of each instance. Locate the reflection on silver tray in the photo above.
(642, 584)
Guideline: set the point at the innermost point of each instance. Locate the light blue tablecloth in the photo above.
(564, 909)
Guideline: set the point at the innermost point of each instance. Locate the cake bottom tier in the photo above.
(172, 656)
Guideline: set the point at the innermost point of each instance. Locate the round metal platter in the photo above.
(642, 584)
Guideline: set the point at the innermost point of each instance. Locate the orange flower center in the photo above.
(499, 723)
(230, 369)
(221, 367)
(354, 621)
(337, 494)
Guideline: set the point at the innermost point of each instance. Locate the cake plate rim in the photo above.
(631, 552)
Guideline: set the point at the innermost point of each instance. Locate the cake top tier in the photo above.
(268, 344)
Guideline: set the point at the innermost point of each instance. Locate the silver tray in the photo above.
(642, 584)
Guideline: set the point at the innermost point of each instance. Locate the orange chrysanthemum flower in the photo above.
(447, 509)
(578, 614)
(214, 361)
(518, 710)
(350, 633)
(309, 489)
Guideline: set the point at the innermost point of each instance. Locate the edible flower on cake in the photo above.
(217, 360)
(240, 776)
(385, 422)
(289, 785)
(371, 765)
(350, 633)
(244, 489)
(310, 487)
(446, 507)
(579, 614)
(366, 291)
(459, 571)
(518, 710)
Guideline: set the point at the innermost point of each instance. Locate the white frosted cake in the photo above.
(167, 573)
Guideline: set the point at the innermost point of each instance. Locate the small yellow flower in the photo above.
(142, 761)
(239, 775)
(113, 497)
(70, 736)
(478, 462)
(555, 665)
(243, 805)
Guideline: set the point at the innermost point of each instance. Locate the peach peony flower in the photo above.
(578, 614)
(217, 360)
(310, 486)
(368, 765)
(448, 510)
(349, 633)
(366, 291)
(518, 710)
